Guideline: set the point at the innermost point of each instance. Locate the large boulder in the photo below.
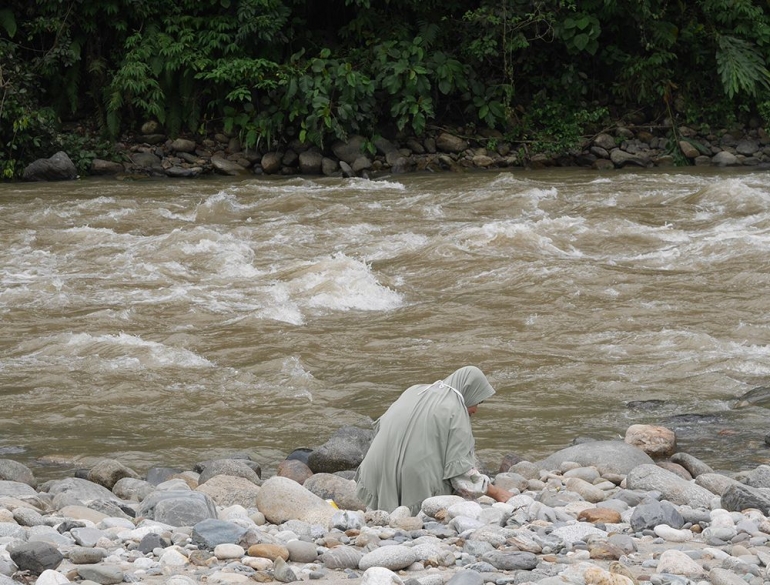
(673, 488)
(609, 457)
(227, 490)
(656, 441)
(108, 472)
(739, 497)
(282, 499)
(232, 467)
(80, 489)
(36, 557)
(349, 150)
(446, 142)
(344, 450)
(57, 168)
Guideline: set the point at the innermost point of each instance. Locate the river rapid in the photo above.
(166, 322)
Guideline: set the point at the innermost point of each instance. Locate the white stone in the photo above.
(678, 563)
(380, 576)
(227, 551)
(143, 563)
(172, 558)
(432, 506)
(180, 580)
(258, 563)
(465, 508)
(670, 534)
(51, 577)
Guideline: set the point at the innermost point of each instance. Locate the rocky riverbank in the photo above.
(596, 513)
(152, 153)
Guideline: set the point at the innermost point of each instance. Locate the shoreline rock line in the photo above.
(151, 154)
(595, 513)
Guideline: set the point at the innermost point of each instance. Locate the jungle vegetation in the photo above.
(276, 70)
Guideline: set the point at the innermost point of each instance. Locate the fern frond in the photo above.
(741, 67)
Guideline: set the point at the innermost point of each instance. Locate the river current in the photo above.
(166, 322)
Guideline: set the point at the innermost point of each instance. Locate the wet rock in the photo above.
(329, 167)
(344, 450)
(674, 488)
(146, 160)
(605, 141)
(57, 168)
(183, 172)
(35, 557)
(621, 158)
(105, 167)
(656, 441)
(158, 475)
(725, 159)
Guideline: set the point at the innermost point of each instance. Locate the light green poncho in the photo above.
(422, 441)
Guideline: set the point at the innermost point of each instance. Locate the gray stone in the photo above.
(693, 465)
(282, 499)
(342, 491)
(183, 172)
(329, 166)
(57, 168)
(511, 561)
(450, 143)
(12, 530)
(301, 551)
(158, 475)
(347, 170)
(614, 457)
(146, 160)
(178, 507)
(102, 574)
(183, 145)
(81, 555)
(572, 533)
(232, 467)
(207, 534)
(725, 159)
(719, 576)
(271, 162)
(227, 490)
(394, 557)
(87, 536)
(759, 477)
(605, 142)
(716, 483)
(349, 150)
(80, 489)
(653, 513)
(133, 490)
(738, 497)
(227, 167)
(107, 472)
(362, 163)
(310, 162)
(13, 471)
(35, 557)
(747, 147)
(28, 517)
(341, 557)
(673, 488)
(621, 158)
(283, 572)
(344, 450)
(16, 489)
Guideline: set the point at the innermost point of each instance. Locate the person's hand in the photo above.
(499, 494)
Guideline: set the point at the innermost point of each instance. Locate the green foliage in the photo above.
(580, 33)
(26, 127)
(554, 129)
(741, 67)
